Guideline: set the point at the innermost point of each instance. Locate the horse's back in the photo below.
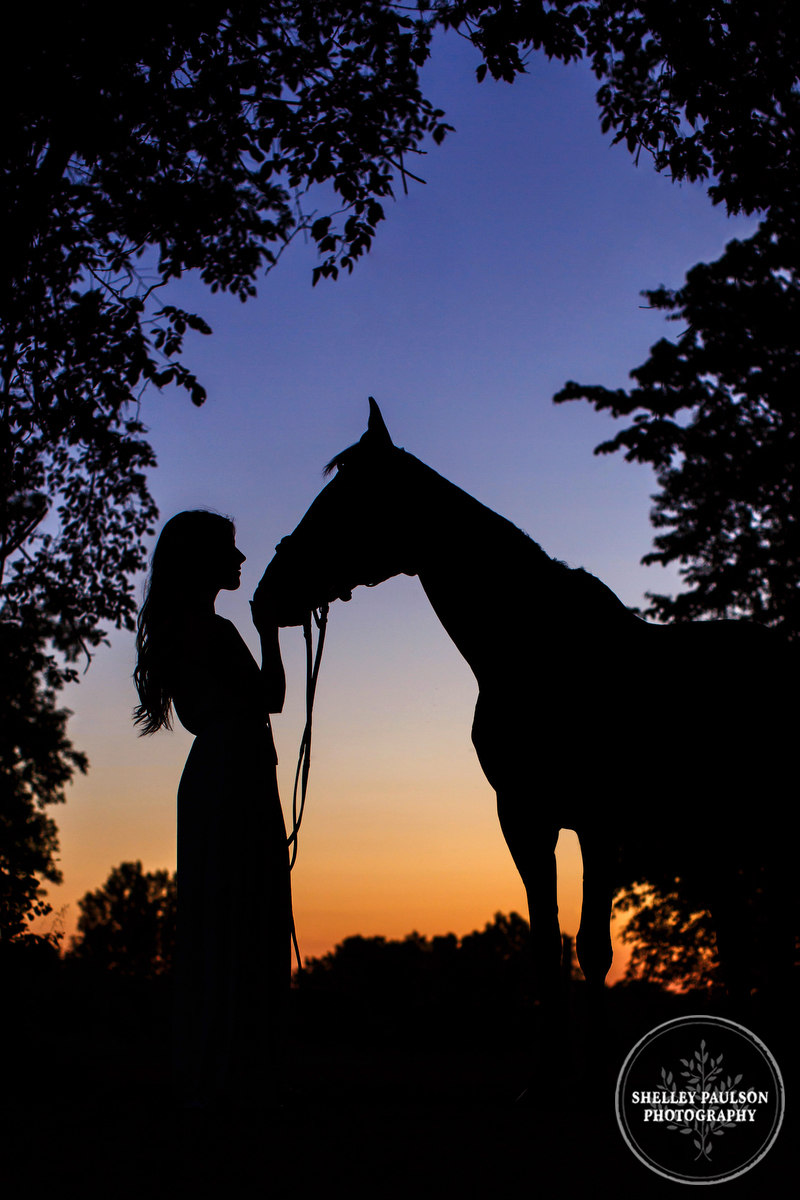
(642, 720)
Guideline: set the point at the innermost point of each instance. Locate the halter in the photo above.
(304, 757)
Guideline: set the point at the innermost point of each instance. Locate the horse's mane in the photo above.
(575, 586)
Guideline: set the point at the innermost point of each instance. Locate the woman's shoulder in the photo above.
(229, 636)
(198, 633)
(226, 630)
(200, 626)
(212, 638)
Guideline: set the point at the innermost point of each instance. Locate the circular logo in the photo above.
(700, 1100)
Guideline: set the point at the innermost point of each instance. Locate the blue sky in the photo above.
(516, 267)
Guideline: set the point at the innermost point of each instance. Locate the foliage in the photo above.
(673, 936)
(36, 761)
(435, 991)
(710, 91)
(183, 145)
(128, 925)
(175, 148)
(673, 942)
(730, 478)
(707, 87)
(506, 32)
(379, 978)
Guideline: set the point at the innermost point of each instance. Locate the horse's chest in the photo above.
(555, 744)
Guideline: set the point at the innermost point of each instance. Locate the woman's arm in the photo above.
(273, 677)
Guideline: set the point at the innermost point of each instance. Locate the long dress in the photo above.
(234, 905)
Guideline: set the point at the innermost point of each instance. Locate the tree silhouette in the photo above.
(730, 475)
(672, 935)
(128, 925)
(710, 89)
(186, 144)
(36, 762)
(707, 89)
(420, 987)
(714, 93)
(672, 940)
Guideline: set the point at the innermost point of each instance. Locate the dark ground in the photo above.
(385, 1104)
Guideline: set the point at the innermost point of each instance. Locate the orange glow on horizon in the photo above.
(400, 834)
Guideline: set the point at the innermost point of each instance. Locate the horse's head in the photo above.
(355, 532)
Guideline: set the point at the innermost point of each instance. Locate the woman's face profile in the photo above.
(223, 565)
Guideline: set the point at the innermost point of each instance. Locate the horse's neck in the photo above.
(478, 571)
(503, 601)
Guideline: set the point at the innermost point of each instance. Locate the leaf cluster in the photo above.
(507, 32)
(36, 762)
(128, 926)
(672, 939)
(717, 414)
(190, 134)
(708, 88)
(672, 933)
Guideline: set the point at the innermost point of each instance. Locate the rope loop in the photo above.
(320, 619)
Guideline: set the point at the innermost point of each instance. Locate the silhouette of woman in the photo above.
(234, 907)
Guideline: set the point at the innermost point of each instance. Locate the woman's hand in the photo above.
(264, 615)
(276, 599)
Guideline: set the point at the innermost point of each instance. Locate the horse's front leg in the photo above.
(532, 845)
(595, 954)
(593, 943)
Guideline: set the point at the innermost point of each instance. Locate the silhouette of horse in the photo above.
(657, 743)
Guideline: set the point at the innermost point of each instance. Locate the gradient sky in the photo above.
(518, 266)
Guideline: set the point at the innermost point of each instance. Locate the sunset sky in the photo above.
(516, 267)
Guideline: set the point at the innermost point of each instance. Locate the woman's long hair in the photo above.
(176, 567)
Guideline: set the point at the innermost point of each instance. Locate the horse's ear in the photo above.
(376, 426)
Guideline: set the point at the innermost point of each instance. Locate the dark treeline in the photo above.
(111, 987)
(375, 986)
(407, 1055)
(126, 932)
(126, 929)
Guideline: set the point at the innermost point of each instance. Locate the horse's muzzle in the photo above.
(287, 591)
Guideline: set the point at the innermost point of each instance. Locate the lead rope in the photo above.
(304, 757)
